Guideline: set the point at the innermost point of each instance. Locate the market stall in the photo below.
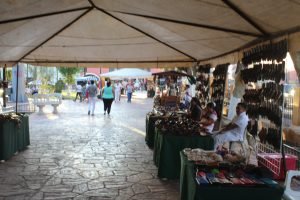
(199, 181)
(14, 134)
(168, 146)
(265, 76)
(166, 101)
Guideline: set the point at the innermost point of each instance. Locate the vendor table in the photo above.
(13, 138)
(167, 148)
(150, 130)
(190, 190)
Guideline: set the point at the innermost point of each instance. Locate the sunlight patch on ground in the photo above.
(52, 116)
(132, 129)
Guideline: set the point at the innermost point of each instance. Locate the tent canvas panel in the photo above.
(10, 10)
(273, 15)
(213, 12)
(18, 38)
(98, 37)
(138, 31)
(192, 40)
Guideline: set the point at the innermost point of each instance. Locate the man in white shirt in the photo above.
(78, 90)
(235, 130)
(118, 88)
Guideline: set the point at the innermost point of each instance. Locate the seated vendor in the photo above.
(208, 118)
(195, 109)
(234, 131)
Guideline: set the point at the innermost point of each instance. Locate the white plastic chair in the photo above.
(290, 193)
(243, 143)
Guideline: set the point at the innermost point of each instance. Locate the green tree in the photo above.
(9, 74)
(45, 74)
(68, 73)
(59, 86)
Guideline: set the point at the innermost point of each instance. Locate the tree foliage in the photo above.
(59, 86)
(68, 73)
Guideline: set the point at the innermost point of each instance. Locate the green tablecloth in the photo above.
(150, 129)
(167, 148)
(189, 190)
(13, 138)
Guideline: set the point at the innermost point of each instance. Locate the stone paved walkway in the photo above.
(76, 156)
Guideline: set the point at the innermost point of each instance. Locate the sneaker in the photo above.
(92, 114)
(104, 113)
(89, 112)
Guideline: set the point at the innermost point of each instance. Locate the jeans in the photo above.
(129, 95)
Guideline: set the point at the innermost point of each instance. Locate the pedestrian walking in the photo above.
(118, 88)
(129, 91)
(108, 97)
(78, 92)
(92, 95)
(83, 92)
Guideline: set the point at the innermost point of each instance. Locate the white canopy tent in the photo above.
(138, 33)
(127, 73)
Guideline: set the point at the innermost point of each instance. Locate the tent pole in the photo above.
(4, 86)
(17, 89)
(27, 75)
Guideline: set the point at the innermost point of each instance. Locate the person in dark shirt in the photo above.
(195, 109)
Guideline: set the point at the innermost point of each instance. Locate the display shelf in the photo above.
(265, 76)
(218, 87)
(202, 84)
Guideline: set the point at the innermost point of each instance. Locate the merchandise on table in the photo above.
(220, 168)
(157, 114)
(163, 110)
(16, 118)
(212, 158)
(179, 125)
(156, 101)
(202, 156)
(231, 176)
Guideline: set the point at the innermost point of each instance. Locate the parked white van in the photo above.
(88, 77)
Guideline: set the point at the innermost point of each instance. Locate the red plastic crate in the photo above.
(274, 163)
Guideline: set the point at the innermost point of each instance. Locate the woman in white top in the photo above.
(208, 118)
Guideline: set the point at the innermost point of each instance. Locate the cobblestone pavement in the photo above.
(76, 156)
